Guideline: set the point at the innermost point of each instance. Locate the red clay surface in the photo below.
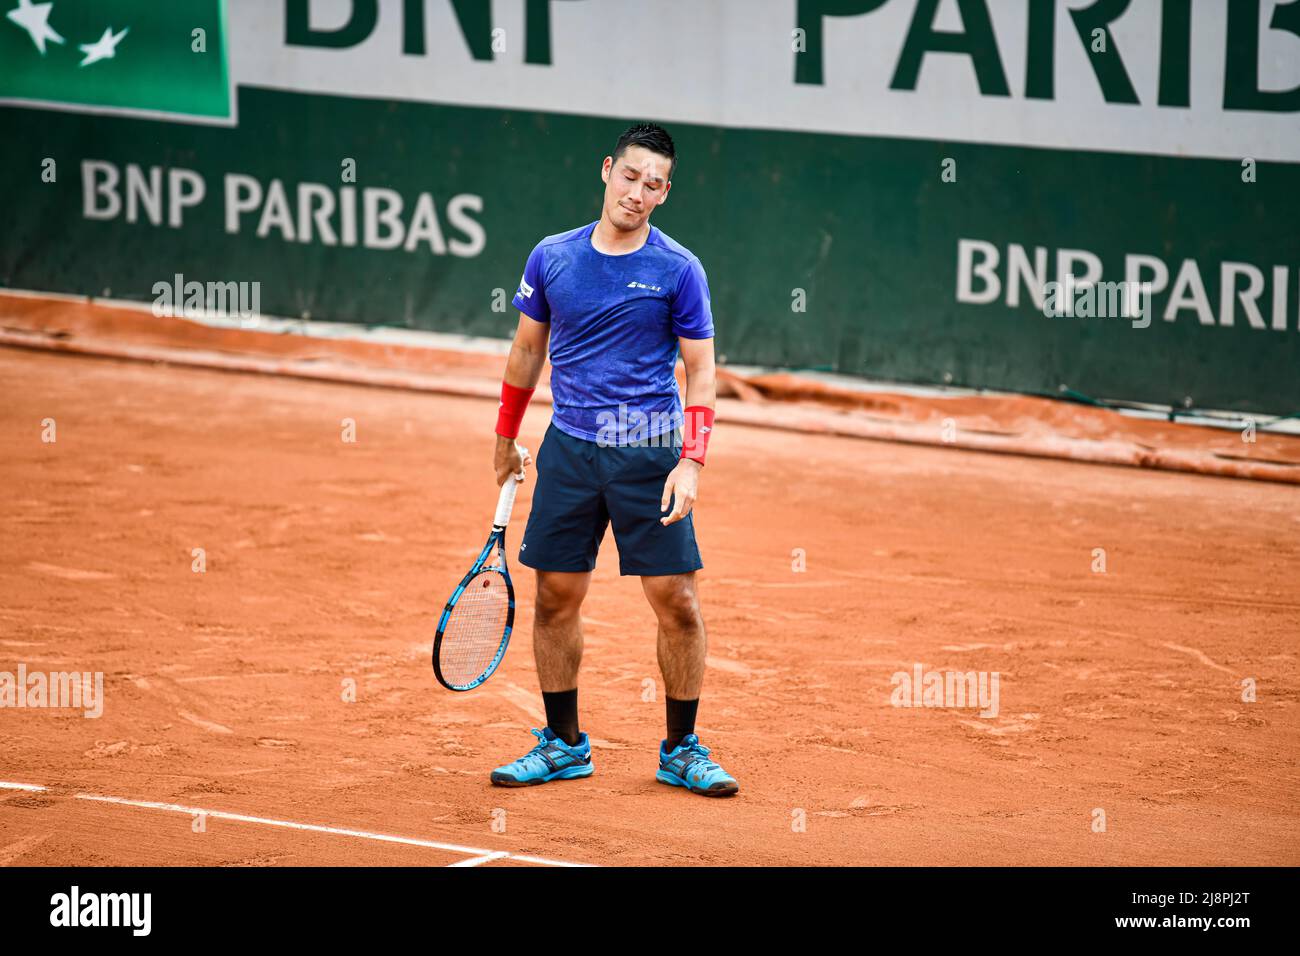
(329, 562)
(1015, 424)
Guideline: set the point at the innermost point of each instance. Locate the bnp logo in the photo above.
(473, 18)
(136, 57)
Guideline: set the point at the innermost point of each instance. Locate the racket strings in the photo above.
(475, 628)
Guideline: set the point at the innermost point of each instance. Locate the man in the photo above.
(618, 300)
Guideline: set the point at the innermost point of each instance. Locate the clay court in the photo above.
(328, 562)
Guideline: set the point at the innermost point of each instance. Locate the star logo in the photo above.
(35, 19)
(104, 48)
(131, 68)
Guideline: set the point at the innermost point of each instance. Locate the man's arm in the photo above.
(701, 375)
(527, 352)
(701, 389)
(523, 370)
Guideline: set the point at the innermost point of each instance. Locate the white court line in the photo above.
(475, 861)
(477, 855)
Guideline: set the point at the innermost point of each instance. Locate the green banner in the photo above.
(130, 56)
(854, 254)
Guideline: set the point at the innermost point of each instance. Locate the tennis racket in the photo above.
(474, 630)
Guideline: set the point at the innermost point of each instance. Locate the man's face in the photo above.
(634, 185)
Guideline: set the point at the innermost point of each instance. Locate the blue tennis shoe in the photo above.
(689, 766)
(551, 759)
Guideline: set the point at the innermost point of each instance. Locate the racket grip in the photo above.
(506, 500)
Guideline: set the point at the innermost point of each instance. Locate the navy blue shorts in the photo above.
(583, 487)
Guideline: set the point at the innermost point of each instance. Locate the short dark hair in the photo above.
(651, 136)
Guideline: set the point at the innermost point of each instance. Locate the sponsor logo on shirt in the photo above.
(642, 285)
(525, 289)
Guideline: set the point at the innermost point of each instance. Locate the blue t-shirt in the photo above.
(614, 327)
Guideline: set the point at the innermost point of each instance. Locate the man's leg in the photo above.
(682, 644)
(557, 646)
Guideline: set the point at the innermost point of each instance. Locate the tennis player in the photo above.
(618, 300)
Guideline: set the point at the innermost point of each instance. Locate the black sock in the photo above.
(681, 720)
(562, 713)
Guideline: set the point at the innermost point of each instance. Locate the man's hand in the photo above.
(509, 459)
(682, 484)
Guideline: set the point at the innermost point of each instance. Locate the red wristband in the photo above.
(514, 402)
(695, 434)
